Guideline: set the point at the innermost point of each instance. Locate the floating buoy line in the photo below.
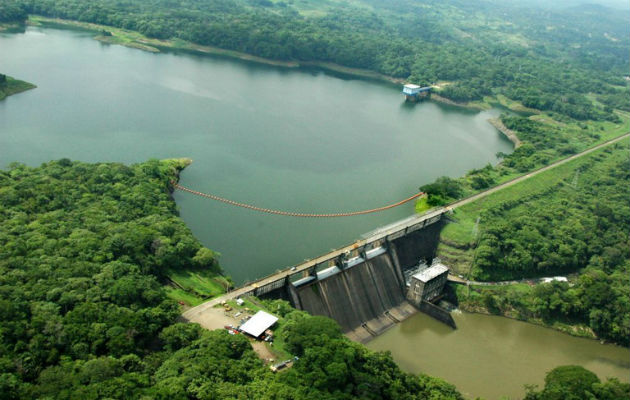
(291, 213)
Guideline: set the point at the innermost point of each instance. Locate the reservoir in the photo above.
(491, 356)
(277, 138)
(273, 137)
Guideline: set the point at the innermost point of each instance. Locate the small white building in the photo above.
(427, 284)
(411, 90)
(258, 324)
(414, 93)
(555, 279)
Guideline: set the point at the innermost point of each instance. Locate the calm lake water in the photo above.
(278, 138)
(283, 139)
(492, 356)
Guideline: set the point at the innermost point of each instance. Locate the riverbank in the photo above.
(490, 349)
(474, 300)
(510, 134)
(12, 86)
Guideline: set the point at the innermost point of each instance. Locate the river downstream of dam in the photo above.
(494, 357)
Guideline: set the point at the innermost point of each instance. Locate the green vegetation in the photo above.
(196, 284)
(572, 382)
(573, 218)
(550, 60)
(543, 141)
(85, 253)
(9, 86)
(12, 11)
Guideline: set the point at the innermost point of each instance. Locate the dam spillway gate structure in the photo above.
(361, 286)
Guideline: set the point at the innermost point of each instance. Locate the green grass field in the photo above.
(193, 287)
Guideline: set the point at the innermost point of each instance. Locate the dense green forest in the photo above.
(84, 249)
(548, 59)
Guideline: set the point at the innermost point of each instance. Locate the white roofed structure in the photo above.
(427, 284)
(429, 273)
(259, 323)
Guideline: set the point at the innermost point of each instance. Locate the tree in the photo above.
(573, 382)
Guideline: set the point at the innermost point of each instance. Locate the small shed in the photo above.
(258, 324)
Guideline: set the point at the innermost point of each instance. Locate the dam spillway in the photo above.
(361, 285)
(354, 295)
(364, 291)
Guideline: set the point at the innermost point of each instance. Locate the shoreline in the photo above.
(138, 41)
(444, 100)
(591, 335)
(510, 134)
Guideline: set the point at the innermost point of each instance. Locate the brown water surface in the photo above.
(491, 356)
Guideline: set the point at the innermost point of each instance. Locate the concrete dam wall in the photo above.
(365, 298)
(416, 245)
(366, 294)
(363, 287)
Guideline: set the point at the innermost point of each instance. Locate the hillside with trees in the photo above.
(573, 220)
(546, 59)
(85, 253)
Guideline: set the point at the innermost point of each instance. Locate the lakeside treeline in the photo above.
(548, 60)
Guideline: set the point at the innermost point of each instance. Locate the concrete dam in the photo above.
(362, 286)
(363, 289)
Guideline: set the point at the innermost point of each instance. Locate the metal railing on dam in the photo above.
(368, 241)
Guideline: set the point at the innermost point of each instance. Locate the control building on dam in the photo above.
(363, 286)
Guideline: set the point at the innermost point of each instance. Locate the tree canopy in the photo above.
(572, 382)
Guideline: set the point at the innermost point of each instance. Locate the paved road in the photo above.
(533, 173)
(194, 312)
(462, 281)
